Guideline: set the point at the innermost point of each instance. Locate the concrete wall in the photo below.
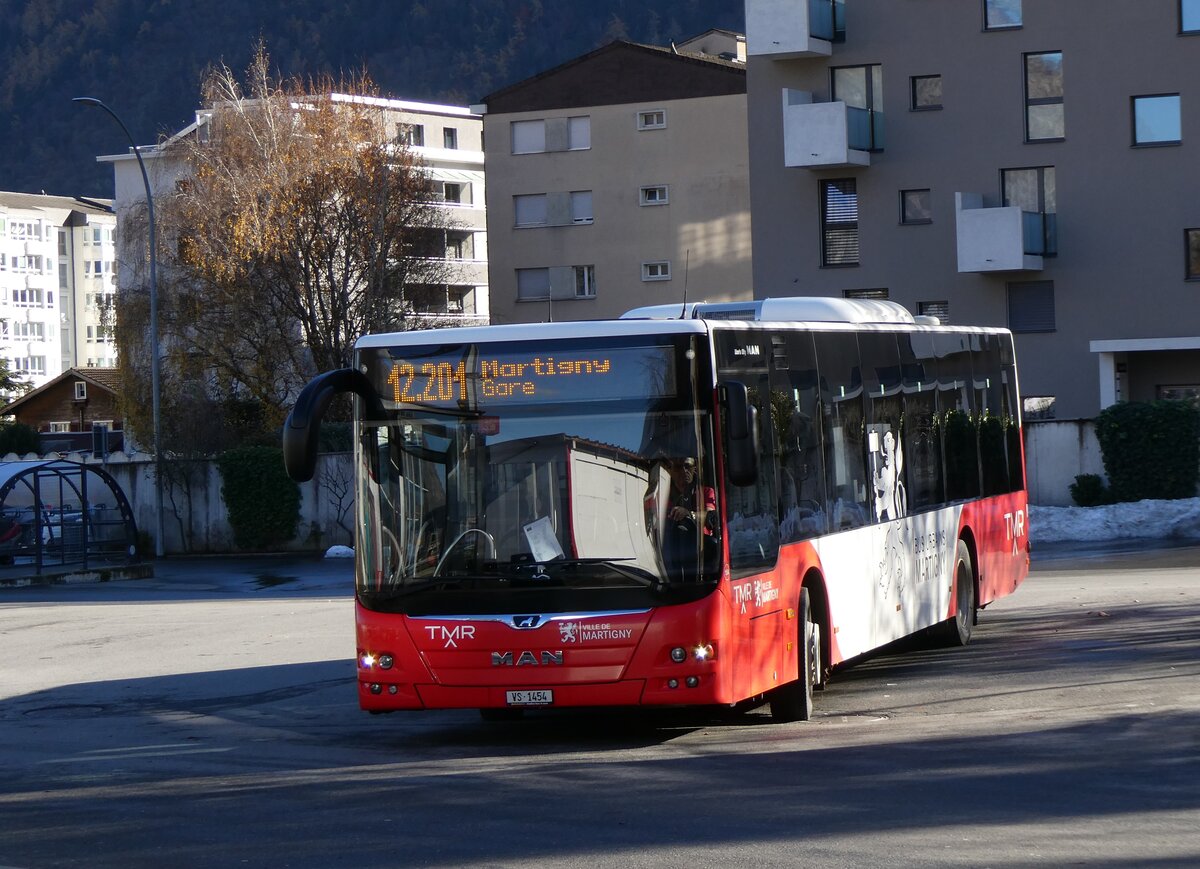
(198, 521)
(1056, 452)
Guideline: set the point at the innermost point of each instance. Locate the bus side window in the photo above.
(922, 435)
(843, 427)
(989, 402)
(796, 418)
(885, 449)
(956, 400)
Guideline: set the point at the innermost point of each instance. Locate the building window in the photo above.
(654, 195)
(528, 137)
(839, 222)
(412, 135)
(449, 138)
(530, 209)
(553, 134)
(581, 206)
(579, 133)
(1001, 14)
(1037, 407)
(1034, 192)
(1189, 16)
(915, 207)
(656, 271)
(533, 284)
(1156, 120)
(939, 309)
(861, 89)
(585, 282)
(1031, 306)
(926, 92)
(877, 294)
(80, 390)
(1044, 120)
(1192, 249)
(655, 119)
(452, 192)
(58, 427)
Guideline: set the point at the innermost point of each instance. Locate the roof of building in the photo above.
(620, 73)
(46, 201)
(108, 379)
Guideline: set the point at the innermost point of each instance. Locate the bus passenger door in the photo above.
(759, 622)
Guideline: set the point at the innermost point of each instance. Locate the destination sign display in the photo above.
(478, 376)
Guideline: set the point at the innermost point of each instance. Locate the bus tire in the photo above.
(794, 701)
(956, 630)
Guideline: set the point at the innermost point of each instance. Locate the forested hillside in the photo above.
(145, 59)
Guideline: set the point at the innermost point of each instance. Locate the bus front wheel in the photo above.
(794, 701)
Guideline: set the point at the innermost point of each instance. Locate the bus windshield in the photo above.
(586, 465)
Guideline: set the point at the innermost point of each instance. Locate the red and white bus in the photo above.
(858, 477)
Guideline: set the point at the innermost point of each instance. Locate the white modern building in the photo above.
(447, 139)
(57, 284)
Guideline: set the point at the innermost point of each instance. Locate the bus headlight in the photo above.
(704, 652)
(679, 654)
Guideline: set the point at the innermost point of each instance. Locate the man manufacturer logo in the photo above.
(525, 623)
(527, 659)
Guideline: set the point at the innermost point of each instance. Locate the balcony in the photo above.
(789, 29)
(1001, 239)
(828, 135)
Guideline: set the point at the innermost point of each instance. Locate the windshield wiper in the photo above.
(637, 574)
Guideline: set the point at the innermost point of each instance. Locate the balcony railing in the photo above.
(827, 135)
(864, 129)
(827, 20)
(1000, 238)
(1039, 232)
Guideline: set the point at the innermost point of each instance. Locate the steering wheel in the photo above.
(491, 544)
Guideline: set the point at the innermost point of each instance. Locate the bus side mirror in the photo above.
(742, 436)
(304, 422)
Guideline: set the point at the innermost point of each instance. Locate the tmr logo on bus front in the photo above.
(527, 659)
(450, 635)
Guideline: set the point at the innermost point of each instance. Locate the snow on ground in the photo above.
(1169, 519)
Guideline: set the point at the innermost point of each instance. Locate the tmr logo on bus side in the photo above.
(527, 659)
(1014, 528)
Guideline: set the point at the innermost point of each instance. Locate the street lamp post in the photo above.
(155, 385)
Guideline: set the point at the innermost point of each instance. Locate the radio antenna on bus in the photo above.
(686, 257)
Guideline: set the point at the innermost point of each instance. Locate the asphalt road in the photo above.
(207, 717)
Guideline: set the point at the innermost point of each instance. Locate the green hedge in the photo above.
(263, 502)
(16, 437)
(1150, 449)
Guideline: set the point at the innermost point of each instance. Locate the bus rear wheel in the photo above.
(956, 630)
(794, 701)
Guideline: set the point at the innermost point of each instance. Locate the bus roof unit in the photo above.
(813, 309)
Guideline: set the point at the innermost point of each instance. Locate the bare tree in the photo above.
(296, 224)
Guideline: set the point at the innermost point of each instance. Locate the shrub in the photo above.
(16, 437)
(1089, 490)
(262, 501)
(1150, 449)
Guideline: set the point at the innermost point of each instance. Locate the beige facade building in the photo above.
(619, 179)
(1025, 164)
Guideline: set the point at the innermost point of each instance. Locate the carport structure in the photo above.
(58, 515)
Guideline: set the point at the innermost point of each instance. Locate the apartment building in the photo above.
(57, 284)
(1008, 162)
(447, 139)
(619, 179)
